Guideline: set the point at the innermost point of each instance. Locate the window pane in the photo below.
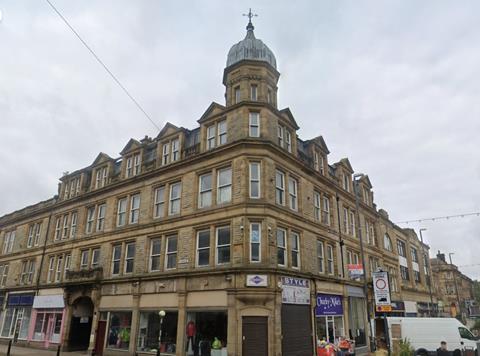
(119, 330)
(203, 239)
(203, 257)
(223, 235)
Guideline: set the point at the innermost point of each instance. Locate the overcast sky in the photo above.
(392, 85)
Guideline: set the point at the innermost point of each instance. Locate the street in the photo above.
(25, 351)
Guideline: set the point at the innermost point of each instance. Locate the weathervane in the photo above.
(250, 15)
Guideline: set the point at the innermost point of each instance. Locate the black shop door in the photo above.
(296, 330)
(255, 336)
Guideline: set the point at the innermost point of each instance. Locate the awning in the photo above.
(48, 302)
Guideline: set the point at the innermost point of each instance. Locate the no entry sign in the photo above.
(381, 289)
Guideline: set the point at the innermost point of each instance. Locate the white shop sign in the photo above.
(257, 280)
(295, 291)
(48, 302)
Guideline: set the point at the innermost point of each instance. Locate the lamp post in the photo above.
(426, 261)
(455, 282)
(161, 314)
(356, 177)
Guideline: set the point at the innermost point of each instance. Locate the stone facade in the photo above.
(154, 193)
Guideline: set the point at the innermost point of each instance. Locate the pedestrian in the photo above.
(442, 350)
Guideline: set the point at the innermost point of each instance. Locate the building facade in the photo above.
(453, 288)
(237, 230)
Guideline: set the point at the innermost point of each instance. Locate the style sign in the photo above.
(381, 289)
(328, 304)
(355, 270)
(257, 280)
(295, 291)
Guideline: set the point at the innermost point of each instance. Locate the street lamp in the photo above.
(426, 261)
(455, 282)
(161, 314)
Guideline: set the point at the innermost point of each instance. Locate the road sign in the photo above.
(384, 308)
(381, 289)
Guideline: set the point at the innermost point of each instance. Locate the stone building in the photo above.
(236, 229)
(453, 288)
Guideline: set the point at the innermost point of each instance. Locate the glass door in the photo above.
(56, 320)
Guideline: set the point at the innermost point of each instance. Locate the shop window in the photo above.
(42, 330)
(119, 330)
(148, 332)
(357, 321)
(16, 320)
(329, 328)
(203, 328)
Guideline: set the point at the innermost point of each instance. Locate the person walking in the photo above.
(442, 350)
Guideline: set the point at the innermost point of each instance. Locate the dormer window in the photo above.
(175, 150)
(346, 182)
(366, 196)
(166, 153)
(284, 138)
(133, 165)
(101, 177)
(236, 95)
(72, 188)
(288, 141)
(280, 135)
(253, 92)
(217, 134)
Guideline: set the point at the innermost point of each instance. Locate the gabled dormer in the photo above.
(72, 184)
(344, 172)
(366, 193)
(214, 127)
(286, 131)
(131, 159)
(318, 152)
(170, 143)
(102, 168)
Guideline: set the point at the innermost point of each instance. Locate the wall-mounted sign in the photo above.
(48, 302)
(355, 270)
(295, 291)
(328, 304)
(257, 280)
(381, 289)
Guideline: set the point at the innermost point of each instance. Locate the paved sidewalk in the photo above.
(25, 351)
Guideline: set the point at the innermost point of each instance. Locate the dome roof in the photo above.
(251, 48)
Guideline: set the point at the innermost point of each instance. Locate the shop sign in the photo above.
(48, 302)
(355, 271)
(295, 291)
(381, 289)
(21, 300)
(257, 280)
(383, 308)
(328, 304)
(398, 306)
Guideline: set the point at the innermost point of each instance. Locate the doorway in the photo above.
(255, 336)
(81, 324)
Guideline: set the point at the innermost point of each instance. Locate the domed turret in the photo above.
(251, 48)
(251, 73)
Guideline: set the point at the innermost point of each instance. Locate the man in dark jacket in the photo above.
(442, 350)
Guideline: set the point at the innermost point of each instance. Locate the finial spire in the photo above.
(250, 15)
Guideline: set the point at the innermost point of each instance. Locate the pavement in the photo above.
(26, 351)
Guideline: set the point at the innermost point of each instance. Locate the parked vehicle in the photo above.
(425, 334)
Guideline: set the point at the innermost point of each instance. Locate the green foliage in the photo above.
(406, 348)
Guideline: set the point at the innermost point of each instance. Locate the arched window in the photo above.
(387, 243)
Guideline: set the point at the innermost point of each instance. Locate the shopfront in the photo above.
(119, 330)
(206, 333)
(47, 319)
(296, 317)
(357, 316)
(17, 316)
(329, 319)
(149, 332)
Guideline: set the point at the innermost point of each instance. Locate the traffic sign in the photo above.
(381, 289)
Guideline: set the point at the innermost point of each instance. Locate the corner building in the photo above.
(237, 229)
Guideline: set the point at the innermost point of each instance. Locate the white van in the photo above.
(425, 334)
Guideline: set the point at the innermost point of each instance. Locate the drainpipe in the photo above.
(37, 284)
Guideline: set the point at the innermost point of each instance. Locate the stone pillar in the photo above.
(232, 325)
(67, 323)
(181, 325)
(135, 323)
(95, 296)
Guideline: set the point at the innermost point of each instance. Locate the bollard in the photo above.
(158, 351)
(9, 347)
(58, 350)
